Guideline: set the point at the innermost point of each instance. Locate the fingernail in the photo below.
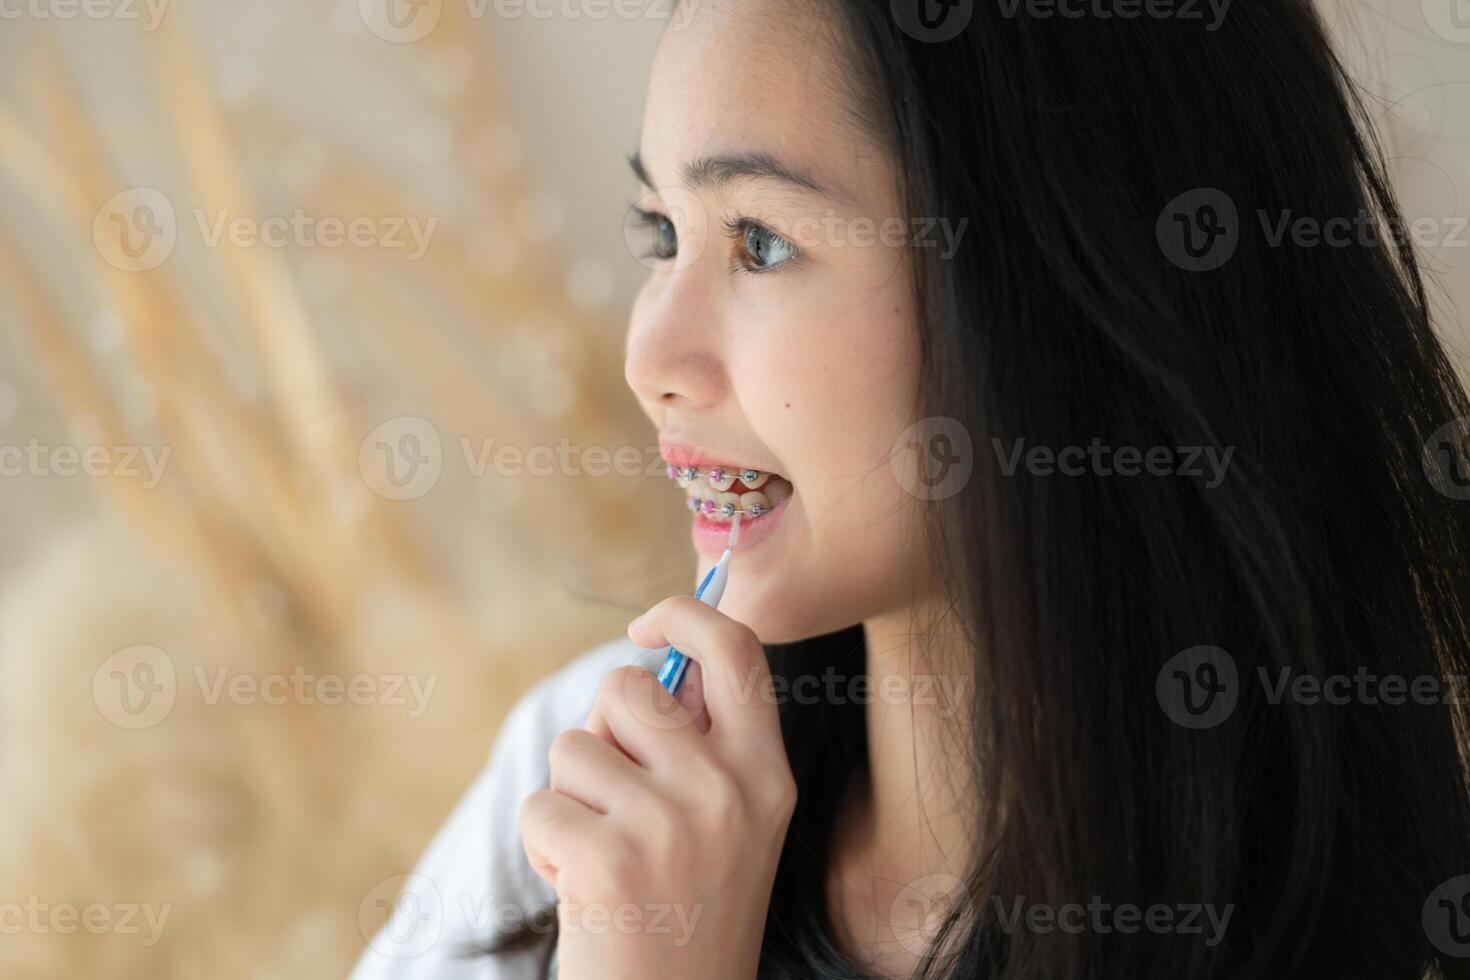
(635, 622)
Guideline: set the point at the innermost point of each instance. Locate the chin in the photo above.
(776, 614)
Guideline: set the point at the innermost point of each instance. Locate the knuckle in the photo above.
(532, 808)
(568, 747)
(661, 831)
(617, 868)
(618, 684)
(722, 800)
(736, 635)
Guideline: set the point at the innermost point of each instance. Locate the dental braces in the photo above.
(707, 507)
(752, 479)
(715, 475)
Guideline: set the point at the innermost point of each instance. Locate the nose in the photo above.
(674, 358)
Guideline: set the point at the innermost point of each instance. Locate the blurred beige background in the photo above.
(289, 520)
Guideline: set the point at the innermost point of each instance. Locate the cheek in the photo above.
(850, 381)
(842, 390)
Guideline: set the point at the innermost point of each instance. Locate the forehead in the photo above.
(756, 76)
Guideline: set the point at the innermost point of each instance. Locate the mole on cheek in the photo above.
(788, 404)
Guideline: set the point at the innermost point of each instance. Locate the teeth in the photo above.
(725, 503)
(720, 478)
(754, 503)
(753, 479)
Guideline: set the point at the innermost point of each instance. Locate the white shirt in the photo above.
(475, 873)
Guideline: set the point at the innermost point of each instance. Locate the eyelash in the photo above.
(737, 229)
(740, 228)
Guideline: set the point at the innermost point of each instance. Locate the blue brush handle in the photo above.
(676, 664)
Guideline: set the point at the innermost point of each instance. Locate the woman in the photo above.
(1109, 517)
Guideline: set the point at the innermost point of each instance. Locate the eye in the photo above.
(761, 249)
(663, 240)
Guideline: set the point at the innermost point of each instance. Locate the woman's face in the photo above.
(776, 331)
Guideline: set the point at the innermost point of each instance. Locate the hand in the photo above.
(661, 839)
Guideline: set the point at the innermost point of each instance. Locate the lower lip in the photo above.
(711, 536)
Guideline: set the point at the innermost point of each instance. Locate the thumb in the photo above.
(735, 678)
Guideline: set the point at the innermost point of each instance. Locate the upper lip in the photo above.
(684, 455)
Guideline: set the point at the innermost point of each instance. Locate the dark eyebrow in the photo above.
(717, 170)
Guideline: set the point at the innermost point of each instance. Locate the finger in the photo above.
(736, 678)
(634, 712)
(596, 773)
(690, 695)
(556, 831)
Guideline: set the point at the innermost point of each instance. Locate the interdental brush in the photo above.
(671, 674)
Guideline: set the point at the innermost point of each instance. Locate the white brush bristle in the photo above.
(734, 532)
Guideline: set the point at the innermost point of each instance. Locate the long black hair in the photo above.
(1121, 281)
